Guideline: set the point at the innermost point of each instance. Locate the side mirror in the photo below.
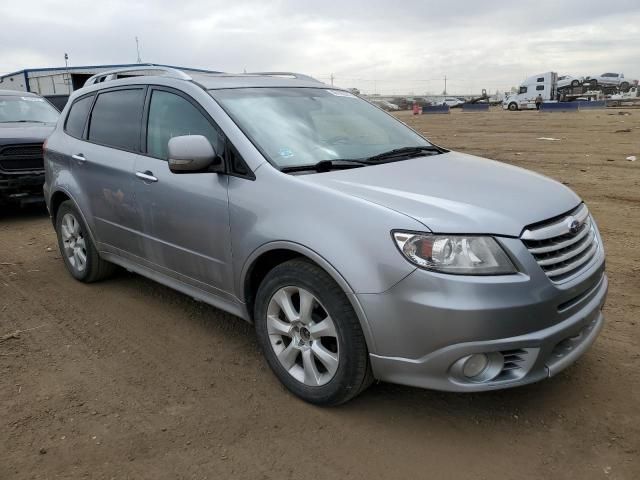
(193, 154)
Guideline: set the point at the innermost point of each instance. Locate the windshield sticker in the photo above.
(32, 99)
(285, 153)
(340, 93)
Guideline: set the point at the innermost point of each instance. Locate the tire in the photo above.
(513, 106)
(575, 83)
(304, 354)
(624, 86)
(78, 252)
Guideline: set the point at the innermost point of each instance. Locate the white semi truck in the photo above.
(544, 84)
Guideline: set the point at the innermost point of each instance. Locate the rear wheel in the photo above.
(310, 335)
(78, 252)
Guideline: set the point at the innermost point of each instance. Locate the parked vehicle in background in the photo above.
(26, 120)
(403, 103)
(543, 84)
(611, 79)
(632, 93)
(358, 249)
(568, 81)
(452, 102)
(386, 105)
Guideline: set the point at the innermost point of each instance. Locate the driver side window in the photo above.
(171, 115)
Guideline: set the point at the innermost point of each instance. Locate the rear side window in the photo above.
(171, 115)
(540, 87)
(78, 116)
(115, 119)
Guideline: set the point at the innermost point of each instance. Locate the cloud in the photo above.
(375, 45)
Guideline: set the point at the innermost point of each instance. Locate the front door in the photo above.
(185, 216)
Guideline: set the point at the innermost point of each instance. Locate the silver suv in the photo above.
(358, 249)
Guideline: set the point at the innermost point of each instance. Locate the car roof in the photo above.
(207, 80)
(219, 81)
(17, 93)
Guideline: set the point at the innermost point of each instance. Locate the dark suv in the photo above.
(26, 120)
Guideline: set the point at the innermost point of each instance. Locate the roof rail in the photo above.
(116, 73)
(298, 76)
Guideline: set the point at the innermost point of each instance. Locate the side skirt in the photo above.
(232, 306)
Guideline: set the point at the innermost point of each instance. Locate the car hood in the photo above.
(12, 133)
(456, 193)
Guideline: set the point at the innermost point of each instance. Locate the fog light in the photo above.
(474, 365)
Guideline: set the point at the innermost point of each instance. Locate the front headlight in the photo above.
(461, 254)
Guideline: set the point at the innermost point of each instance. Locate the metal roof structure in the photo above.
(110, 67)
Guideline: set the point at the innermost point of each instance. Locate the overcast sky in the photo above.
(405, 46)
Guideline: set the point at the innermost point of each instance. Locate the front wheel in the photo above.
(624, 86)
(575, 83)
(310, 335)
(513, 106)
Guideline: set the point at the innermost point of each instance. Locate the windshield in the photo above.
(26, 109)
(304, 126)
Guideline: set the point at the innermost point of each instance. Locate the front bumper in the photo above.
(21, 187)
(427, 322)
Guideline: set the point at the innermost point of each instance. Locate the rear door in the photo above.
(185, 216)
(103, 161)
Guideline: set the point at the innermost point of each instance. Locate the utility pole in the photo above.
(138, 50)
(332, 77)
(66, 64)
(445, 85)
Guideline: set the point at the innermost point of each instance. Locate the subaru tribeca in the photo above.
(359, 249)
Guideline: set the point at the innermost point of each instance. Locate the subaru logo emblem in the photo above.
(573, 224)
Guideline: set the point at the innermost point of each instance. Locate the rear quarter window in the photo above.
(116, 119)
(77, 116)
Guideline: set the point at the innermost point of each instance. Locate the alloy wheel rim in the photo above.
(303, 336)
(73, 242)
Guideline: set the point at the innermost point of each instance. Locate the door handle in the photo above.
(79, 157)
(146, 176)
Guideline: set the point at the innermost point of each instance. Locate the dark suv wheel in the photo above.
(78, 252)
(310, 335)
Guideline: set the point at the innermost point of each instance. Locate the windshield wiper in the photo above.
(22, 121)
(327, 165)
(404, 152)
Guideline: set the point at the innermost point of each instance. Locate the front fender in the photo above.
(324, 264)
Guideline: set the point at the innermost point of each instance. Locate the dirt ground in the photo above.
(128, 379)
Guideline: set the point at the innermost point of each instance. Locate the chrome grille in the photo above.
(563, 246)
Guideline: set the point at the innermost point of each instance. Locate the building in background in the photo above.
(56, 84)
